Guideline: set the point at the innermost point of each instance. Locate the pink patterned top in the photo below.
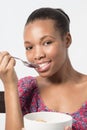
(31, 101)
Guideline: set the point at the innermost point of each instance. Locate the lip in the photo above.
(43, 66)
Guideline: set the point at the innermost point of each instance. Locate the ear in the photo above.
(68, 39)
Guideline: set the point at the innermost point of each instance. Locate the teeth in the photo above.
(42, 65)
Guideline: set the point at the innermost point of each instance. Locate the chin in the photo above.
(46, 75)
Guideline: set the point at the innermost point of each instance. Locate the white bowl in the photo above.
(47, 121)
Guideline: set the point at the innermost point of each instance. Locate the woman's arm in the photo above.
(14, 119)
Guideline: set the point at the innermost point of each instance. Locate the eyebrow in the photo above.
(27, 42)
(46, 36)
(41, 39)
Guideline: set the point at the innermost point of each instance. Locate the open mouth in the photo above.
(43, 66)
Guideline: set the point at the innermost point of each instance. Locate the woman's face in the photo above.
(45, 46)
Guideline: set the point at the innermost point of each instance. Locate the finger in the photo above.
(2, 54)
(11, 63)
(7, 63)
(68, 128)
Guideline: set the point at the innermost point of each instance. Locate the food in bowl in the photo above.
(40, 120)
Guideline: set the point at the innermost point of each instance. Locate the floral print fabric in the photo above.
(31, 101)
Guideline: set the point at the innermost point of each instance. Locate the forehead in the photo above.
(40, 26)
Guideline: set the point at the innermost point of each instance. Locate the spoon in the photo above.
(32, 65)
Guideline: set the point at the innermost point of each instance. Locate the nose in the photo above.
(39, 53)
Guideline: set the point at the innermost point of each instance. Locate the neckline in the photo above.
(48, 109)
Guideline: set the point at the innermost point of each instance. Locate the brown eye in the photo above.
(47, 43)
(29, 48)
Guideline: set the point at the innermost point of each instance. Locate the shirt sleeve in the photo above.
(26, 86)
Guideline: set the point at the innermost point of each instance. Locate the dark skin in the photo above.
(62, 97)
(60, 86)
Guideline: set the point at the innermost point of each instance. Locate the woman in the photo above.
(59, 87)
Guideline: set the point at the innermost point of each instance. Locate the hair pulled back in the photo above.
(60, 18)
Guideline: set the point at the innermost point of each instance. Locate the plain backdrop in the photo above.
(13, 15)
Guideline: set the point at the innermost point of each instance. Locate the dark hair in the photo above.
(58, 15)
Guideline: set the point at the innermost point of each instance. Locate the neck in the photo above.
(65, 74)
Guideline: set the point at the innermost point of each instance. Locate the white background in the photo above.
(13, 15)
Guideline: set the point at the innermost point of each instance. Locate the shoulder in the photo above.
(26, 80)
(28, 91)
(26, 84)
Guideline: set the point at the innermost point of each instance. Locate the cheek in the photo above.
(29, 56)
(53, 52)
(57, 54)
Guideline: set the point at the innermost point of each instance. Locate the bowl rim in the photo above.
(26, 117)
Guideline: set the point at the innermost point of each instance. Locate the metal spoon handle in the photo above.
(27, 63)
